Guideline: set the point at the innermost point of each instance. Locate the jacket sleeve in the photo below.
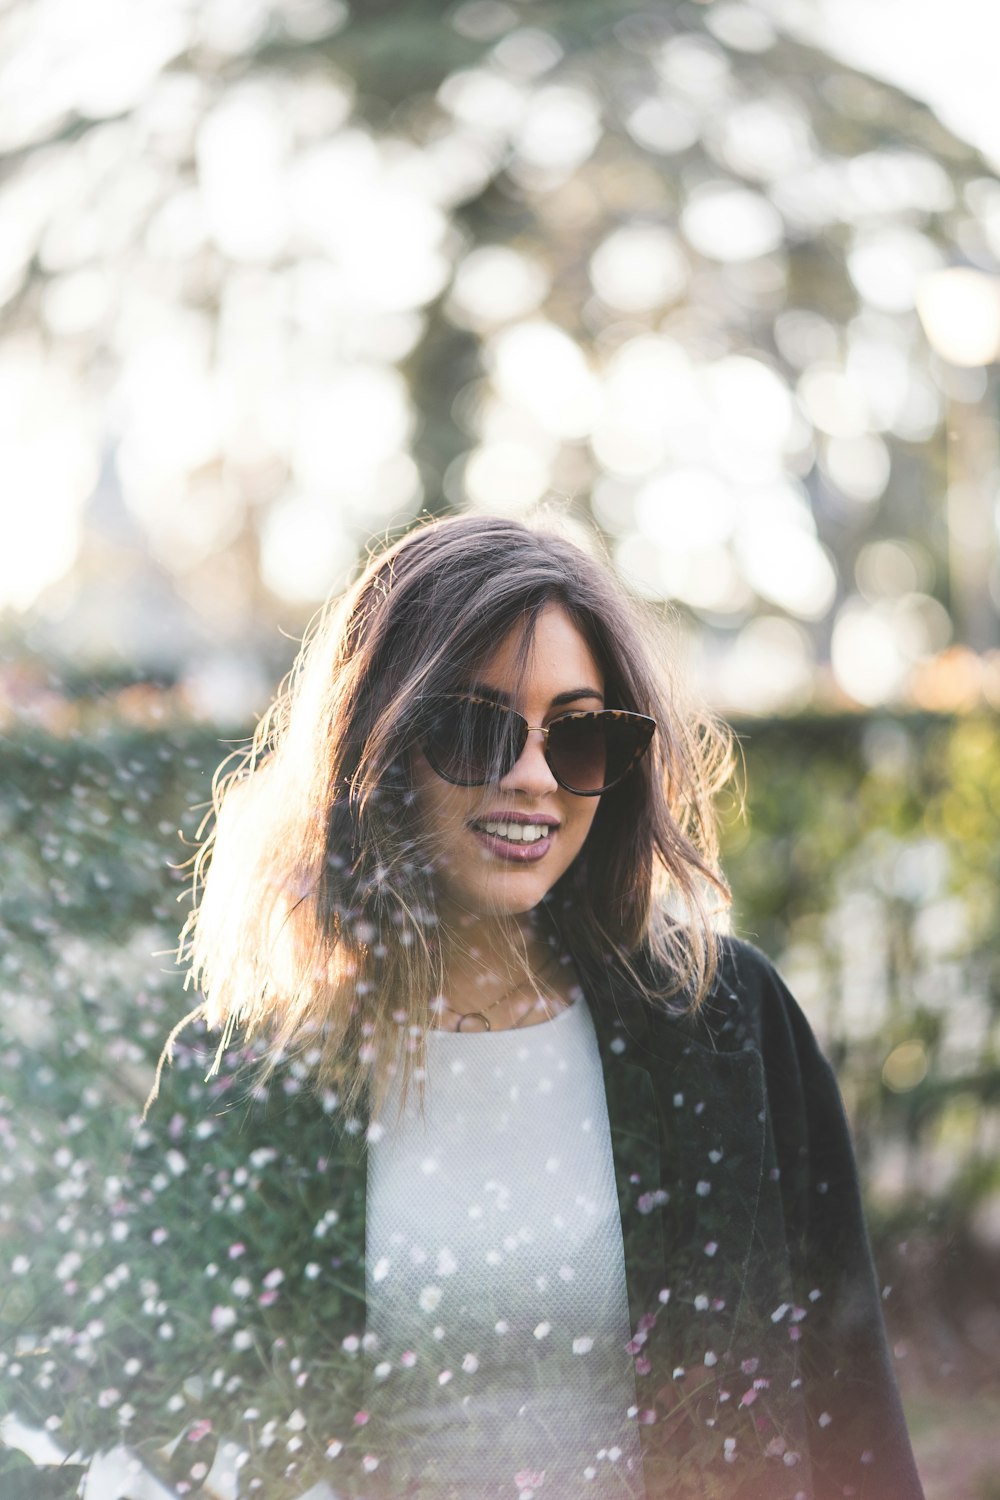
(858, 1441)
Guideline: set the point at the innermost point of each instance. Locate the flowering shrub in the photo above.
(169, 1284)
(183, 1283)
(188, 1282)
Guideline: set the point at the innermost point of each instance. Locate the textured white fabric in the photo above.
(495, 1257)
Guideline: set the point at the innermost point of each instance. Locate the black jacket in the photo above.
(762, 1368)
(761, 1365)
(730, 1128)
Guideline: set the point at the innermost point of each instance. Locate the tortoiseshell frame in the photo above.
(643, 726)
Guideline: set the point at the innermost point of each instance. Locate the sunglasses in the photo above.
(471, 741)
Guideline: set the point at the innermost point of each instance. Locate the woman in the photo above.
(612, 1241)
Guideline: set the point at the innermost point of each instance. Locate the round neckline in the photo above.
(518, 1031)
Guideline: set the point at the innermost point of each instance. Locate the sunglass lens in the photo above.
(471, 742)
(578, 751)
(594, 751)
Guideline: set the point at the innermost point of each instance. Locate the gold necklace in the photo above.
(482, 1015)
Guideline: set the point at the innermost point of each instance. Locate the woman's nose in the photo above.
(531, 771)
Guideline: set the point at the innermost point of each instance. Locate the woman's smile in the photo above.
(516, 835)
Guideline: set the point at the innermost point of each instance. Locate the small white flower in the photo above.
(429, 1298)
(583, 1345)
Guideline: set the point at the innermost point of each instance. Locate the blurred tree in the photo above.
(298, 271)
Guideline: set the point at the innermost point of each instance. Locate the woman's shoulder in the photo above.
(748, 1004)
(746, 977)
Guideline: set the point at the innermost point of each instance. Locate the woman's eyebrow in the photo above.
(574, 693)
(498, 695)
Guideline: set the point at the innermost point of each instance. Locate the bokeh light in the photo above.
(286, 293)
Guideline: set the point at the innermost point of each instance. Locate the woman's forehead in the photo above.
(549, 651)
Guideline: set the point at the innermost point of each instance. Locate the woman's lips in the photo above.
(509, 850)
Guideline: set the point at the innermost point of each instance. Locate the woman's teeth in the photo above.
(517, 833)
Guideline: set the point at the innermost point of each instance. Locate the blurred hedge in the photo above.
(867, 865)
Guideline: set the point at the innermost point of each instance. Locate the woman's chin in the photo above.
(501, 896)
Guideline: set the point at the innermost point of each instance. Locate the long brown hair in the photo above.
(314, 909)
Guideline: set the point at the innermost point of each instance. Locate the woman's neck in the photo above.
(493, 965)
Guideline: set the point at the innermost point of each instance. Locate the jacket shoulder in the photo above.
(749, 1004)
(744, 972)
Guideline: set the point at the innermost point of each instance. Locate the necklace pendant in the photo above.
(474, 1015)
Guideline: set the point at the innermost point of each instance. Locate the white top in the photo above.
(496, 1271)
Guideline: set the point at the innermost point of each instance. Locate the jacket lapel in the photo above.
(706, 1265)
(687, 1165)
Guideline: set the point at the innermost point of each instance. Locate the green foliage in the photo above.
(869, 867)
(153, 1273)
(22, 1480)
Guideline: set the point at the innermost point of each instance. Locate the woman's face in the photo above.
(487, 873)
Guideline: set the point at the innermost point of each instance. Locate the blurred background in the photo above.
(718, 284)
